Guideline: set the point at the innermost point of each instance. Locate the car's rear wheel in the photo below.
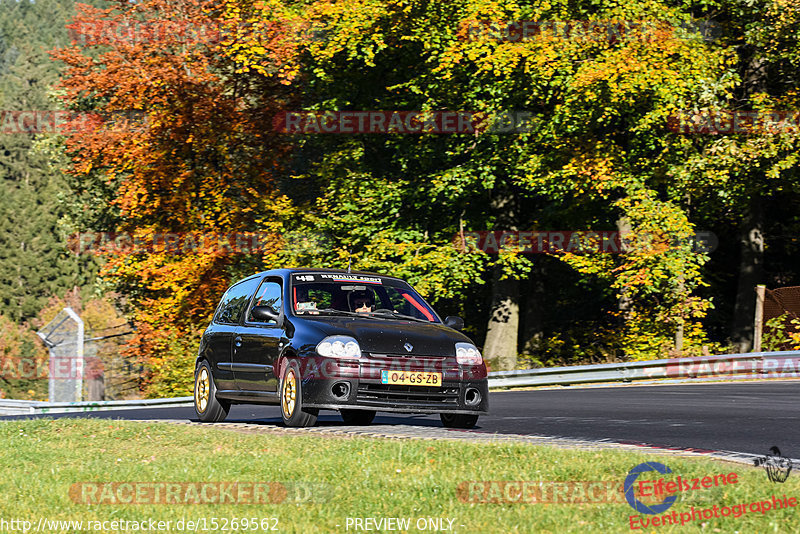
(458, 420)
(208, 408)
(292, 399)
(357, 417)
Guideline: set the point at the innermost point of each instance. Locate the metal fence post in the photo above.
(63, 337)
(759, 318)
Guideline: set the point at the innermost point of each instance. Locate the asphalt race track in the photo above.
(742, 417)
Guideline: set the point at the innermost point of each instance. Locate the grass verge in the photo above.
(80, 470)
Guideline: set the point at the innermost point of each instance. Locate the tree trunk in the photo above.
(751, 274)
(500, 348)
(751, 238)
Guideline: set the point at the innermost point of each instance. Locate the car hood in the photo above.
(389, 336)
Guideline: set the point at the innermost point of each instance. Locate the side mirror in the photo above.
(264, 313)
(454, 322)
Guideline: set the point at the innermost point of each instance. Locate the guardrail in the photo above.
(727, 366)
(24, 407)
(761, 365)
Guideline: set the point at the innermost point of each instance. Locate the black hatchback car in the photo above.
(359, 342)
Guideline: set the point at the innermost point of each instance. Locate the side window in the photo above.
(268, 294)
(235, 300)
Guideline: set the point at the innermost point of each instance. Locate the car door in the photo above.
(218, 341)
(256, 343)
(223, 330)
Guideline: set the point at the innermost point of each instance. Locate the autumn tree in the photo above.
(595, 156)
(189, 150)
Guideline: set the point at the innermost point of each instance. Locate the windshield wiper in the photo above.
(381, 313)
(343, 312)
(395, 315)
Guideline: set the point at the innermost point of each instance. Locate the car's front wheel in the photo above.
(357, 417)
(208, 408)
(458, 420)
(292, 399)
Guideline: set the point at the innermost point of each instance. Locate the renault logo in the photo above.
(409, 347)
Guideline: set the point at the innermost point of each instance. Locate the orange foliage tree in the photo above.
(190, 149)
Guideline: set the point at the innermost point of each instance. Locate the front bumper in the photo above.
(357, 385)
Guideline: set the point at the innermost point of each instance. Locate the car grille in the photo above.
(384, 394)
(406, 359)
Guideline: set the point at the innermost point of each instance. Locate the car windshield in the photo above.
(357, 295)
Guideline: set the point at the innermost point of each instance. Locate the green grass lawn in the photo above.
(56, 470)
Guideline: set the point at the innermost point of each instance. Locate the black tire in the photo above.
(292, 409)
(207, 406)
(357, 417)
(458, 420)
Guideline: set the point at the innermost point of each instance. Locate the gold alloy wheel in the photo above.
(289, 393)
(201, 390)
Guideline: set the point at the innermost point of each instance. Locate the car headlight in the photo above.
(342, 347)
(468, 354)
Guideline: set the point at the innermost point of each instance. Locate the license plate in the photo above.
(411, 379)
